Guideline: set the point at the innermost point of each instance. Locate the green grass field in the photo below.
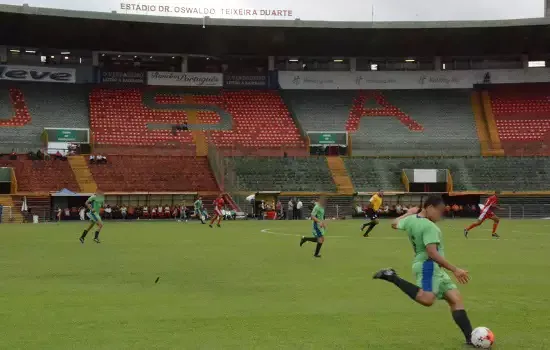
(240, 288)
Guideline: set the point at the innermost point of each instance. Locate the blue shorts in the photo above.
(94, 217)
(318, 231)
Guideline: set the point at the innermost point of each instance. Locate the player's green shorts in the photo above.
(318, 231)
(94, 217)
(432, 278)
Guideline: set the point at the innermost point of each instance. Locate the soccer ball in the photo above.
(482, 337)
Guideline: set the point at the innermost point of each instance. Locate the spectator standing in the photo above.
(280, 210)
(183, 214)
(81, 213)
(290, 209)
(123, 212)
(299, 206)
(108, 212)
(262, 210)
(294, 210)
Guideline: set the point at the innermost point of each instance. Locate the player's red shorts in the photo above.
(218, 212)
(486, 214)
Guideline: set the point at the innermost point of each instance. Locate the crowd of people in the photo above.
(398, 209)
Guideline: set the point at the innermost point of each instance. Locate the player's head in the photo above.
(434, 206)
(322, 201)
(99, 192)
(220, 195)
(200, 198)
(497, 193)
(380, 193)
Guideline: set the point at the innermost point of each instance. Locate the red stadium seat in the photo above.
(522, 116)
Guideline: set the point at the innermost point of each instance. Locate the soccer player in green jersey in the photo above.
(199, 209)
(94, 204)
(319, 226)
(429, 264)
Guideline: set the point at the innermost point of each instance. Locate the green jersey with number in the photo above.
(421, 232)
(96, 202)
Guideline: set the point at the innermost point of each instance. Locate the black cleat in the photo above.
(466, 233)
(302, 241)
(469, 344)
(384, 274)
(97, 240)
(366, 235)
(317, 256)
(81, 240)
(220, 226)
(210, 226)
(495, 235)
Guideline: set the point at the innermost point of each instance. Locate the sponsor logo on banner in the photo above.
(407, 80)
(123, 77)
(185, 79)
(39, 74)
(249, 80)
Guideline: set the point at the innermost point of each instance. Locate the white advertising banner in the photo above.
(291, 80)
(185, 79)
(311, 10)
(45, 74)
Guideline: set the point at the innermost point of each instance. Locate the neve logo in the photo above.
(41, 74)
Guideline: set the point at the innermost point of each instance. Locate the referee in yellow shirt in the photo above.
(372, 212)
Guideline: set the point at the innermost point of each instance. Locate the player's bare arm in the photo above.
(460, 274)
(411, 211)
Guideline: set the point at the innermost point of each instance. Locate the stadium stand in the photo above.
(320, 110)
(154, 174)
(281, 174)
(469, 174)
(250, 119)
(522, 116)
(400, 122)
(42, 176)
(27, 108)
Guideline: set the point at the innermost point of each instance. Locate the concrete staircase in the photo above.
(10, 217)
(340, 175)
(82, 174)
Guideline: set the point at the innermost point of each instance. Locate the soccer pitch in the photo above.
(249, 285)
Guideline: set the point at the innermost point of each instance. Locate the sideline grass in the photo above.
(240, 288)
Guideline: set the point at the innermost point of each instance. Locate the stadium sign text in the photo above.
(343, 10)
(185, 79)
(386, 80)
(38, 74)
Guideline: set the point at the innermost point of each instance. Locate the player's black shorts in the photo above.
(371, 214)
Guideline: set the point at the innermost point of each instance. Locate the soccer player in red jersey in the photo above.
(218, 207)
(487, 213)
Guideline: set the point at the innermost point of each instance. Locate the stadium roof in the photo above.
(41, 27)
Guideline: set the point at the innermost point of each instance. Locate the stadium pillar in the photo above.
(184, 63)
(352, 64)
(524, 61)
(3, 54)
(95, 58)
(437, 63)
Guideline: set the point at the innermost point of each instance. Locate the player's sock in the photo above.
(495, 226)
(475, 224)
(463, 322)
(96, 235)
(318, 248)
(84, 234)
(391, 276)
(371, 226)
(310, 239)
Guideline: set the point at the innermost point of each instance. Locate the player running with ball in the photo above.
(429, 264)
(94, 204)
